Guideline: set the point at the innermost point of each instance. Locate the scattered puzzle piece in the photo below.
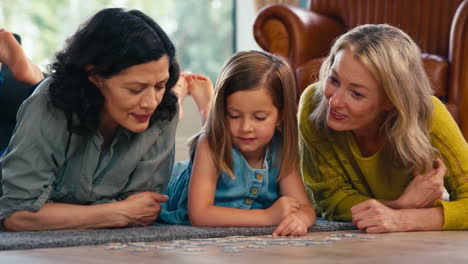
(235, 244)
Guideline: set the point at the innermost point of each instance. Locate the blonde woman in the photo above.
(376, 147)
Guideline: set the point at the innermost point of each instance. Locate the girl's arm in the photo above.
(299, 221)
(202, 189)
(137, 210)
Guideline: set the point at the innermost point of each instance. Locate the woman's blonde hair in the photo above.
(395, 62)
(248, 70)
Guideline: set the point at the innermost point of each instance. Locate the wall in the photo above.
(245, 17)
(191, 123)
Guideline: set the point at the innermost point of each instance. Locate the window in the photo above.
(202, 30)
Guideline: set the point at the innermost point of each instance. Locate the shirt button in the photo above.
(254, 191)
(259, 176)
(248, 201)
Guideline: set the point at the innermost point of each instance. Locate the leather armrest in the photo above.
(437, 71)
(458, 59)
(308, 34)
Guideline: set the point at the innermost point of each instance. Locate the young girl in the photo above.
(246, 156)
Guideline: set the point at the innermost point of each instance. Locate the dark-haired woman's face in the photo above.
(132, 96)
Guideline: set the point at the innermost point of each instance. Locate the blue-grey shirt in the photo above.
(46, 163)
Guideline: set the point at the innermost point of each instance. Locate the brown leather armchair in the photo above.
(440, 28)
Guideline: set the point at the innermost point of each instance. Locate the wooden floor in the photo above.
(415, 247)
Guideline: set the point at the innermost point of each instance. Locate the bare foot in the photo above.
(12, 55)
(181, 90)
(201, 89)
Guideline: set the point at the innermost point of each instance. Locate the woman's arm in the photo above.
(374, 217)
(66, 216)
(332, 189)
(447, 138)
(453, 168)
(423, 190)
(202, 189)
(324, 176)
(137, 210)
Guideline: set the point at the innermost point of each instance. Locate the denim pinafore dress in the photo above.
(250, 189)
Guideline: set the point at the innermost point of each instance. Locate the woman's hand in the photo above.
(374, 217)
(424, 189)
(142, 209)
(281, 208)
(294, 224)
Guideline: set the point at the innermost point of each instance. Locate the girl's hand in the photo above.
(294, 224)
(424, 189)
(142, 209)
(281, 208)
(372, 216)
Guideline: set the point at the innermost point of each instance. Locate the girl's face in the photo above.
(356, 101)
(132, 96)
(252, 119)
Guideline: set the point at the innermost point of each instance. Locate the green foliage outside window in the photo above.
(202, 30)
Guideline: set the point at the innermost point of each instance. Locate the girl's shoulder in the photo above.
(201, 141)
(200, 146)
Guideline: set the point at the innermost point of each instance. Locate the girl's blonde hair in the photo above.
(395, 62)
(248, 70)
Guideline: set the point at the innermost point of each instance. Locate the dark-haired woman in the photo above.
(94, 144)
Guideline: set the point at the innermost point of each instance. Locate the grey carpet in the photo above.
(71, 238)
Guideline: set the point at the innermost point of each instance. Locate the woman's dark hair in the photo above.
(111, 41)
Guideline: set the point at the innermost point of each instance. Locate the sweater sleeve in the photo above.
(448, 139)
(333, 192)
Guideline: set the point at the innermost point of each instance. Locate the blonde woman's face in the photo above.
(356, 101)
(252, 119)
